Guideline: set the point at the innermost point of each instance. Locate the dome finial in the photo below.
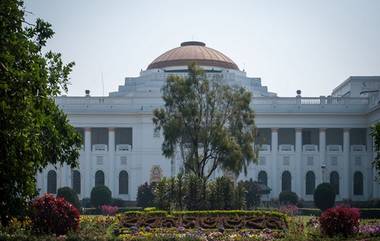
(193, 43)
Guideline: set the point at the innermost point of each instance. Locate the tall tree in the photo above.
(211, 124)
(34, 131)
(375, 133)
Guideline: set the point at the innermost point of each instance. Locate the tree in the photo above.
(145, 196)
(34, 131)
(210, 123)
(375, 133)
(253, 193)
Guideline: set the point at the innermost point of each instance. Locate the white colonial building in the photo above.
(303, 140)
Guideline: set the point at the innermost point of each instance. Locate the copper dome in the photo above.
(193, 51)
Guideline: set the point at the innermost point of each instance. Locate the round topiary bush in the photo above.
(69, 195)
(324, 196)
(101, 195)
(53, 215)
(287, 197)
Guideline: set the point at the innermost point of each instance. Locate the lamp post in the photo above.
(323, 167)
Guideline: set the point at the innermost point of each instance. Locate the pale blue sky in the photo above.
(312, 45)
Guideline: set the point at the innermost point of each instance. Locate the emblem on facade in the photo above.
(155, 174)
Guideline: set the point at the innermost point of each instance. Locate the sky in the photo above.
(311, 45)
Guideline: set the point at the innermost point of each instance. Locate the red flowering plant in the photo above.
(109, 210)
(340, 220)
(53, 215)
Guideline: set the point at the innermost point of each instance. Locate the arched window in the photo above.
(52, 182)
(123, 182)
(76, 181)
(334, 181)
(310, 182)
(263, 177)
(286, 181)
(99, 178)
(358, 183)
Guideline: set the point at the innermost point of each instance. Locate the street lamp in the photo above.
(323, 167)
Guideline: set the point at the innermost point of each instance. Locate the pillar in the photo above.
(112, 176)
(86, 168)
(274, 176)
(346, 184)
(300, 177)
(322, 154)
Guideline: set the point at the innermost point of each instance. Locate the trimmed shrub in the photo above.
(101, 195)
(145, 196)
(69, 195)
(287, 197)
(228, 219)
(53, 215)
(324, 196)
(340, 220)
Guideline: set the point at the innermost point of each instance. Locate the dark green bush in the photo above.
(253, 193)
(324, 196)
(101, 195)
(69, 195)
(145, 196)
(287, 197)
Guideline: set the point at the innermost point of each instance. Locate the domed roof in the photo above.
(193, 51)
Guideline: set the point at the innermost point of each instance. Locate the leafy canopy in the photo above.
(211, 124)
(375, 133)
(34, 131)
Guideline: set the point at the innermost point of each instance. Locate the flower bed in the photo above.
(208, 220)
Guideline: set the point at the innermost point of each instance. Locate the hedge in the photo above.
(228, 219)
(365, 213)
(97, 211)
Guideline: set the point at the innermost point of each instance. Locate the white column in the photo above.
(346, 184)
(300, 177)
(322, 154)
(63, 176)
(112, 176)
(85, 169)
(274, 177)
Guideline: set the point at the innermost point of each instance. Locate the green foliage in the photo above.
(221, 193)
(240, 197)
(193, 197)
(145, 196)
(69, 195)
(212, 124)
(101, 195)
(287, 197)
(34, 131)
(162, 194)
(375, 133)
(180, 191)
(324, 196)
(253, 193)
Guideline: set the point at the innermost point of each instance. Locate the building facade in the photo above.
(303, 141)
